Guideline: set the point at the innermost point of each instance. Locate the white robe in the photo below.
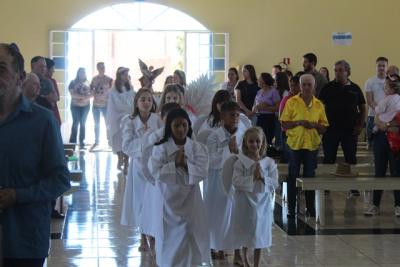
(184, 238)
(253, 202)
(207, 124)
(134, 138)
(152, 206)
(119, 105)
(218, 204)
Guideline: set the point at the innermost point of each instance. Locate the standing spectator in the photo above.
(289, 74)
(120, 105)
(325, 72)
(32, 172)
(246, 92)
(31, 87)
(294, 90)
(305, 120)
(56, 96)
(233, 79)
(275, 70)
(100, 86)
(282, 85)
(383, 154)
(345, 107)
(47, 92)
(266, 104)
(374, 92)
(80, 106)
(309, 65)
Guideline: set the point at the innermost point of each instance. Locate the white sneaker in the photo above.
(374, 210)
(397, 211)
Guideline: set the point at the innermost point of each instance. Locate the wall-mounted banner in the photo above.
(342, 38)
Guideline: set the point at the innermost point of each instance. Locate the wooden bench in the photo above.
(367, 158)
(320, 184)
(322, 169)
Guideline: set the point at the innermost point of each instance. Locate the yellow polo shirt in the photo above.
(296, 110)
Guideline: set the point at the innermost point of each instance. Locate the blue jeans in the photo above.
(330, 145)
(382, 156)
(79, 116)
(97, 111)
(370, 126)
(309, 160)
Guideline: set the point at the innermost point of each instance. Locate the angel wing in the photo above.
(227, 174)
(198, 123)
(143, 66)
(199, 94)
(156, 72)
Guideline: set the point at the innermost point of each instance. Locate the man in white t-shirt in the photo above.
(375, 93)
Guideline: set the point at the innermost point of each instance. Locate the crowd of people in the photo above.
(167, 150)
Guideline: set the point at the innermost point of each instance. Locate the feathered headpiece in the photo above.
(149, 73)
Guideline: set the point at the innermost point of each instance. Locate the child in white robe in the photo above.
(179, 164)
(222, 143)
(152, 206)
(255, 177)
(213, 120)
(174, 93)
(119, 106)
(136, 129)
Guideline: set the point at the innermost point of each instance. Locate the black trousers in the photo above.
(11, 262)
(267, 123)
(382, 157)
(330, 145)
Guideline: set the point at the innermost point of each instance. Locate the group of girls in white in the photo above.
(172, 153)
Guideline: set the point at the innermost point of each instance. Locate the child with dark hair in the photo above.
(178, 164)
(213, 120)
(222, 142)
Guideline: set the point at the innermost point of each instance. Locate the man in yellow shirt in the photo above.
(305, 120)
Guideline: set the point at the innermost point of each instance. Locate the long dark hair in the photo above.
(282, 83)
(172, 115)
(118, 80)
(182, 76)
(267, 78)
(219, 97)
(235, 71)
(327, 73)
(136, 111)
(252, 71)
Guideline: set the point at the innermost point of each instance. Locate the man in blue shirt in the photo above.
(33, 171)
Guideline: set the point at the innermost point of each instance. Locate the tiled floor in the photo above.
(93, 236)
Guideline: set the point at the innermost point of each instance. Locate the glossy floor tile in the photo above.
(92, 235)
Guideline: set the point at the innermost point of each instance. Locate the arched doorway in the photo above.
(120, 34)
